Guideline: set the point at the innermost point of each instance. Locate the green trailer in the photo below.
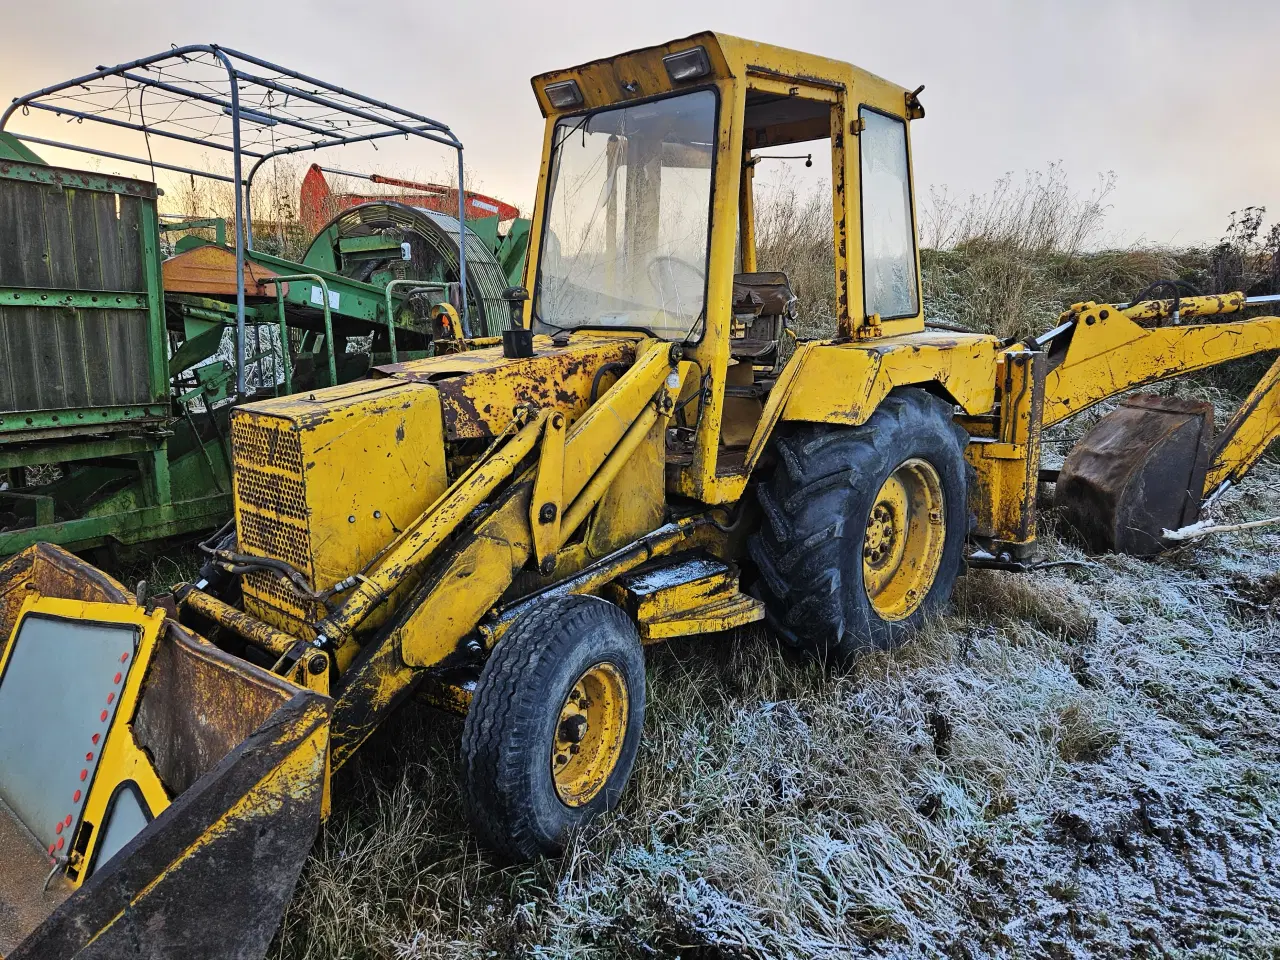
(117, 376)
(84, 370)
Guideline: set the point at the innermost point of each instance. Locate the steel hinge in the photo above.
(857, 125)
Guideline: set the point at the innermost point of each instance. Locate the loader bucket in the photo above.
(1138, 471)
(158, 796)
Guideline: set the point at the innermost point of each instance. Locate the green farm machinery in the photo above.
(119, 365)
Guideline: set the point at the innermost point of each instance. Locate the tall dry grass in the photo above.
(273, 204)
(794, 235)
(1005, 262)
(1010, 260)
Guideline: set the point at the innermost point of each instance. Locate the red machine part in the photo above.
(318, 204)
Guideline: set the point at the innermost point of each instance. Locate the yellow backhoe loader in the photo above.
(502, 530)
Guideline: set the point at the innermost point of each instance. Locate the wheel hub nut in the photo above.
(880, 534)
(573, 729)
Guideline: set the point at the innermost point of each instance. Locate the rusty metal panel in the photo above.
(199, 703)
(480, 389)
(57, 351)
(325, 481)
(52, 572)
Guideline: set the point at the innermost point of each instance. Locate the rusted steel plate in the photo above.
(479, 389)
(210, 271)
(52, 572)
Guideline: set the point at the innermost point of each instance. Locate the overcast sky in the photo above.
(1176, 97)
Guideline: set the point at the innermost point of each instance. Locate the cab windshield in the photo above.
(628, 211)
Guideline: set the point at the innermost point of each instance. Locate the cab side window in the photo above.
(890, 286)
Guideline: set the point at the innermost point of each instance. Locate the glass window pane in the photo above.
(626, 236)
(125, 820)
(54, 695)
(888, 235)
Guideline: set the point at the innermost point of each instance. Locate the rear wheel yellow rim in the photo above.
(589, 734)
(905, 536)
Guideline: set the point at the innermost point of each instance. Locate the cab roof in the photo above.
(640, 74)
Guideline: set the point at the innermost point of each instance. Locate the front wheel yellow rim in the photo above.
(589, 734)
(905, 536)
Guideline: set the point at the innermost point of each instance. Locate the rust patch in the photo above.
(52, 572)
(197, 705)
(480, 403)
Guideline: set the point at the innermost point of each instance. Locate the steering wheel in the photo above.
(669, 276)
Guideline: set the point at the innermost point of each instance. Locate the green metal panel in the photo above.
(217, 224)
(95, 448)
(361, 301)
(77, 179)
(486, 228)
(80, 299)
(11, 148)
(137, 526)
(512, 250)
(376, 242)
(72, 420)
(82, 338)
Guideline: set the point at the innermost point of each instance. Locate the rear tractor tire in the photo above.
(554, 726)
(864, 527)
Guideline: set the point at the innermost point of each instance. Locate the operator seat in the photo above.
(763, 304)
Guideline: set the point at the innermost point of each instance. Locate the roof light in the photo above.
(564, 94)
(687, 65)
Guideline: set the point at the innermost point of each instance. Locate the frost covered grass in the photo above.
(1075, 762)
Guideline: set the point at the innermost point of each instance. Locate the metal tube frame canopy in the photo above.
(220, 99)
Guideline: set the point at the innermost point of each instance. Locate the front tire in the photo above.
(554, 726)
(864, 527)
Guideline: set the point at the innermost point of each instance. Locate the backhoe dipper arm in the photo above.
(1098, 352)
(1101, 352)
(1249, 433)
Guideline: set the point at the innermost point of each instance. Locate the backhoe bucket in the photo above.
(158, 796)
(1138, 471)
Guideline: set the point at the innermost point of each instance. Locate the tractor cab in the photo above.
(645, 222)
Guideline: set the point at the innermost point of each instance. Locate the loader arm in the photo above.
(456, 565)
